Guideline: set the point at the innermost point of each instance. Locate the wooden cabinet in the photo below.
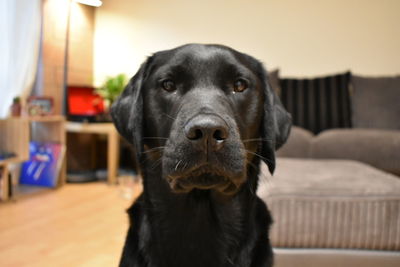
(15, 135)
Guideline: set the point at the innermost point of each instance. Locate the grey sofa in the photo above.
(335, 197)
(329, 207)
(377, 147)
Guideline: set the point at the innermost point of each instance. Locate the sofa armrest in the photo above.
(379, 148)
(297, 145)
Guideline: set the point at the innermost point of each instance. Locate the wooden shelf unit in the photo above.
(107, 129)
(15, 135)
(14, 138)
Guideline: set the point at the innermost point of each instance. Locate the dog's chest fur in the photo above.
(199, 229)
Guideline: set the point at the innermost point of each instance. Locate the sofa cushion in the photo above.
(298, 144)
(289, 257)
(379, 148)
(332, 204)
(319, 103)
(376, 102)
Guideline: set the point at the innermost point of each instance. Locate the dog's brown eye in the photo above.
(168, 85)
(240, 85)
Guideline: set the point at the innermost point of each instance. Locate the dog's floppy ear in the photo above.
(276, 124)
(127, 110)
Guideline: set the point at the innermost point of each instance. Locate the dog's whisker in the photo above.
(256, 139)
(230, 261)
(177, 165)
(145, 159)
(156, 163)
(155, 137)
(262, 140)
(159, 148)
(168, 116)
(258, 155)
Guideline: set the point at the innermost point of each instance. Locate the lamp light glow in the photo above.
(95, 3)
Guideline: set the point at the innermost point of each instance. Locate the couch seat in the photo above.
(332, 204)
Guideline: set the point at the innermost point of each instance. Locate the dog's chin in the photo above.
(204, 181)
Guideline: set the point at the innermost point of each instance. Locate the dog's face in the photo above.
(202, 112)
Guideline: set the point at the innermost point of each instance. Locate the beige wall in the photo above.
(301, 37)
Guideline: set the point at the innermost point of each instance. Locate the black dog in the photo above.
(200, 117)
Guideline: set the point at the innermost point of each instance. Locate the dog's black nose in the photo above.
(207, 132)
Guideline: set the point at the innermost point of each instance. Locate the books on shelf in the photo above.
(44, 164)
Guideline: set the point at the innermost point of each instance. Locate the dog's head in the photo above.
(203, 112)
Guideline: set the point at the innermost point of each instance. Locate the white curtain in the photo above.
(20, 25)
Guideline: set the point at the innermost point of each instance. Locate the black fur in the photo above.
(178, 221)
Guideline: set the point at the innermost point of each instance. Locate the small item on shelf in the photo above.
(39, 106)
(16, 107)
(6, 155)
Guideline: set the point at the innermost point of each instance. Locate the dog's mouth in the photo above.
(204, 178)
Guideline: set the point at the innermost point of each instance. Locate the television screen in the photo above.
(83, 101)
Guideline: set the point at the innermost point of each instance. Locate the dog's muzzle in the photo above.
(204, 178)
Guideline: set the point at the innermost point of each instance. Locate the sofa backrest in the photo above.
(318, 104)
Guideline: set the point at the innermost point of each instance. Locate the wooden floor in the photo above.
(76, 225)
